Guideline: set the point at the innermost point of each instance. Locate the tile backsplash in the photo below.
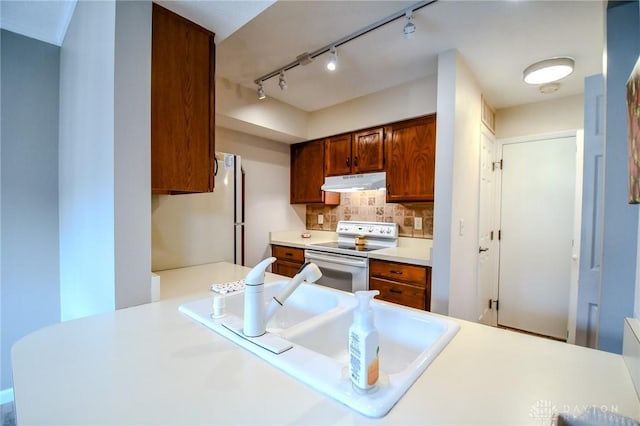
(370, 206)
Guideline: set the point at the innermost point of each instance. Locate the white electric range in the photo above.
(345, 264)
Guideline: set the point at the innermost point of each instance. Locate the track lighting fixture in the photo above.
(306, 58)
(409, 28)
(261, 94)
(333, 60)
(282, 82)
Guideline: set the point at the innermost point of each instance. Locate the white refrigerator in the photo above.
(193, 229)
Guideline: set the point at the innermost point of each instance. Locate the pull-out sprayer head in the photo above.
(308, 272)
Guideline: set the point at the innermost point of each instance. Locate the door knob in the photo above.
(481, 249)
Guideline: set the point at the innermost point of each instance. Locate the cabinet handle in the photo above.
(393, 290)
(396, 272)
(288, 254)
(355, 161)
(348, 162)
(388, 188)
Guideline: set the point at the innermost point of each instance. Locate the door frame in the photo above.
(578, 134)
(490, 316)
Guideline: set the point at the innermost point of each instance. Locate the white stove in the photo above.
(345, 264)
(377, 235)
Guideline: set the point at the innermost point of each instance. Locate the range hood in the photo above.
(352, 183)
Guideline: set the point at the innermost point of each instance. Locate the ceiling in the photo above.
(497, 39)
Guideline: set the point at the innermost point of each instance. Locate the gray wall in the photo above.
(30, 294)
(620, 218)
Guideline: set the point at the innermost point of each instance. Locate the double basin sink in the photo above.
(313, 327)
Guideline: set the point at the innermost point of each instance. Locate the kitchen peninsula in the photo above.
(152, 365)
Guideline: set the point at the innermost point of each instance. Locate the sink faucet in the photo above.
(255, 318)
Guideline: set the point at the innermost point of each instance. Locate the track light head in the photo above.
(261, 94)
(282, 82)
(409, 28)
(333, 61)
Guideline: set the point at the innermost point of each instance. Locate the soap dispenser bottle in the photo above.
(364, 342)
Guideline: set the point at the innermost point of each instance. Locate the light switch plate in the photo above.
(417, 223)
(320, 219)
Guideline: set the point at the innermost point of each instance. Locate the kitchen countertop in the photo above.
(415, 251)
(152, 365)
(294, 238)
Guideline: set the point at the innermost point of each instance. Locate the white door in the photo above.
(537, 213)
(488, 246)
(588, 300)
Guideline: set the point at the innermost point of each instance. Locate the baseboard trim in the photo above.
(6, 396)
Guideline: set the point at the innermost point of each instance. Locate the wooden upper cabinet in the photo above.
(307, 174)
(182, 104)
(338, 155)
(411, 158)
(368, 151)
(359, 152)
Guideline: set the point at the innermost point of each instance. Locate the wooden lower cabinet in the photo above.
(408, 285)
(289, 260)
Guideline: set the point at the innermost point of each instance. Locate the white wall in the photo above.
(457, 173)
(104, 220)
(132, 153)
(86, 161)
(541, 117)
(266, 164)
(407, 100)
(239, 108)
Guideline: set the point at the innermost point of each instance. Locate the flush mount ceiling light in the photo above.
(549, 70)
(409, 28)
(261, 94)
(333, 60)
(282, 82)
(307, 58)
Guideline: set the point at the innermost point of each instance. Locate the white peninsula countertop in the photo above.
(152, 365)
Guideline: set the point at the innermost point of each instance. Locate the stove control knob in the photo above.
(371, 229)
(388, 230)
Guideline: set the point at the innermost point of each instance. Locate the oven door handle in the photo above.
(360, 263)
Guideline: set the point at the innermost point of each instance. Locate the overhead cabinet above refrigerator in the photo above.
(182, 105)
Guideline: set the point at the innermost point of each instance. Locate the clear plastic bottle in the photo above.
(364, 345)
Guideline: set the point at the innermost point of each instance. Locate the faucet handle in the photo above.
(256, 275)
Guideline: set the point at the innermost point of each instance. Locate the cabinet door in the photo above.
(410, 160)
(368, 151)
(307, 175)
(182, 104)
(338, 156)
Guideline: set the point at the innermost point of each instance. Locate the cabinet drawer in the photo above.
(290, 254)
(413, 274)
(287, 269)
(403, 294)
